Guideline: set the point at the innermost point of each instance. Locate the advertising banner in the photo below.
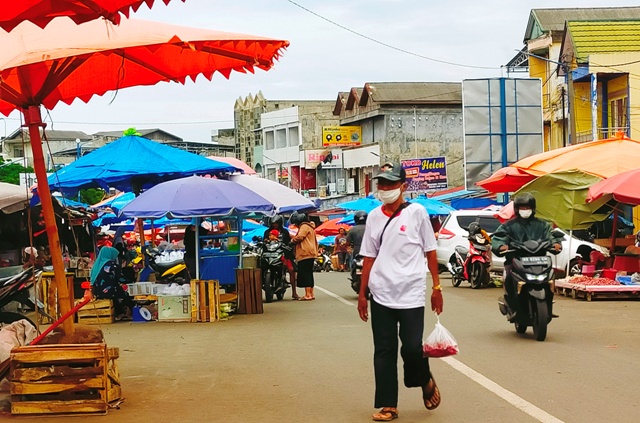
(426, 174)
(323, 159)
(341, 136)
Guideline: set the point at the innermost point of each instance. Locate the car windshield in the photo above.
(488, 223)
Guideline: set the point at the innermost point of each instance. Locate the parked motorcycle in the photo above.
(16, 288)
(174, 271)
(322, 263)
(471, 264)
(356, 273)
(272, 255)
(532, 273)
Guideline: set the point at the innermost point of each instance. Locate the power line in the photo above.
(389, 45)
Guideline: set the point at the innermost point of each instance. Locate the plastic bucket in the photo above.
(588, 268)
(609, 273)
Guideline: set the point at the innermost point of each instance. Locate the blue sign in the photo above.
(426, 174)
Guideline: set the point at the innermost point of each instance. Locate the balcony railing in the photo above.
(603, 133)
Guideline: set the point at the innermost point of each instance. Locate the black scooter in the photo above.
(531, 275)
(272, 255)
(16, 288)
(356, 273)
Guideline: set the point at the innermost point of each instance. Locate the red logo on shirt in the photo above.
(403, 228)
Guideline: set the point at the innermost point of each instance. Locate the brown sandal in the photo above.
(431, 397)
(386, 414)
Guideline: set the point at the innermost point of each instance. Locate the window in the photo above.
(294, 137)
(281, 138)
(619, 113)
(269, 143)
(488, 223)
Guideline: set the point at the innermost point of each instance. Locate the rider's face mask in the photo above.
(525, 213)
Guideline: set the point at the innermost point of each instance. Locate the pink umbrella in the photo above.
(623, 187)
(237, 163)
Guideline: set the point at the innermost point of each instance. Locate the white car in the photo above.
(454, 232)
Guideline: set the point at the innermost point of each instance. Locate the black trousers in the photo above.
(384, 323)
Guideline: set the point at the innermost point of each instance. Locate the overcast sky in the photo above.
(322, 59)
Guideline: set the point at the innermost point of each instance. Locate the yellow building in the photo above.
(543, 41)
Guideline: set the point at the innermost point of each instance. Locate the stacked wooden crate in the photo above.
(96, 312)
(63, 379)
(205, 301)
(249, 288)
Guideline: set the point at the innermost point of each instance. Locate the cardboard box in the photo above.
(334, 262)
(174, 308)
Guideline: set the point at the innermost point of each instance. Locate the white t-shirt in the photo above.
(399, 273)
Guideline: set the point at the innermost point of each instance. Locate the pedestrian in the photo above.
(341, 248)
(397, 246)
(306, 250)
(277, 223)
(106, 282)
(190, 245)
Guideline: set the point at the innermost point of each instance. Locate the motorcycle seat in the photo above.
(462, 250)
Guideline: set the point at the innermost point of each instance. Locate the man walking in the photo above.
(397, 239)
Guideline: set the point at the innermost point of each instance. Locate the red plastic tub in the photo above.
(609, 273)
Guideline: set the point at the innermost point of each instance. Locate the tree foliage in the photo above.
(91, 195)
(10, 173)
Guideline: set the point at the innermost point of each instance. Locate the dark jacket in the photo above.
(521, 230)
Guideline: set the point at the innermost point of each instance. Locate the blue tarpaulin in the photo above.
(132, 162)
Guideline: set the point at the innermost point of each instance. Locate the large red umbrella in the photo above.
(65, 61)
(41, 12)
(506, 179)
(331, 227)
(624, 188)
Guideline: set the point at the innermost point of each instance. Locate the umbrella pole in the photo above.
(569, 261)
(33, 121)
(614, 230)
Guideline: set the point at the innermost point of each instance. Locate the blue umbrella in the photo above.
(117, 203)
(327, 241)
(434, 207)
(194, 197)
(248, 236)
(348, 220)
(365, 204)
(132, 162)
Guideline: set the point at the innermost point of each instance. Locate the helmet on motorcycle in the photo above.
(474, 228)
(277, 219)
(524, 200)
(360, 217)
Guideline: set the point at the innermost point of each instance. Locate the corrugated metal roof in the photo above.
(589, 37)
(414, 92)
(554, 19)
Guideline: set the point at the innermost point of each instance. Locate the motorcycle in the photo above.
(322, 263)
(16, 288)
(356, 273)
(532, 272)
(271, 259)
(471, 264)
(174, 271)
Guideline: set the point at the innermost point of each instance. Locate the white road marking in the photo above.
(336, 296)
(513, 399)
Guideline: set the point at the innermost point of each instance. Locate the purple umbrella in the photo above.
(196, 197)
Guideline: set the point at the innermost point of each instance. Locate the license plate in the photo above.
(535, 260)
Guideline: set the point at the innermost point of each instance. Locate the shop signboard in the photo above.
(426, 174)
(323, 159)
(341, 136)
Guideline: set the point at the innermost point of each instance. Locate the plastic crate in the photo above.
(140, 288)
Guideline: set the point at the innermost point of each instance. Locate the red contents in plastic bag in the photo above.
(439, 350)
(440, 343)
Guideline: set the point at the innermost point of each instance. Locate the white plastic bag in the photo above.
(440, 342)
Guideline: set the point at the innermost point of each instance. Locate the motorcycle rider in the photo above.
(355, 234)
(522, 227)
(277, 223)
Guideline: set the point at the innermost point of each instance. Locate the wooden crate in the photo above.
(114, 389)
(97, 312)
(48, 294)
(205, 301)
(59, 379)
(249, 288)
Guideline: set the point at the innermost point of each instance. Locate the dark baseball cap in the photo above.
(393, 172)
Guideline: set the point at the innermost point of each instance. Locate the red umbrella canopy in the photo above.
(623, 187)
(331, 227)
(506, 179)
(65, 61)
(41, 12)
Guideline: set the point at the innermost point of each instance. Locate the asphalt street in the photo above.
(312, 362)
